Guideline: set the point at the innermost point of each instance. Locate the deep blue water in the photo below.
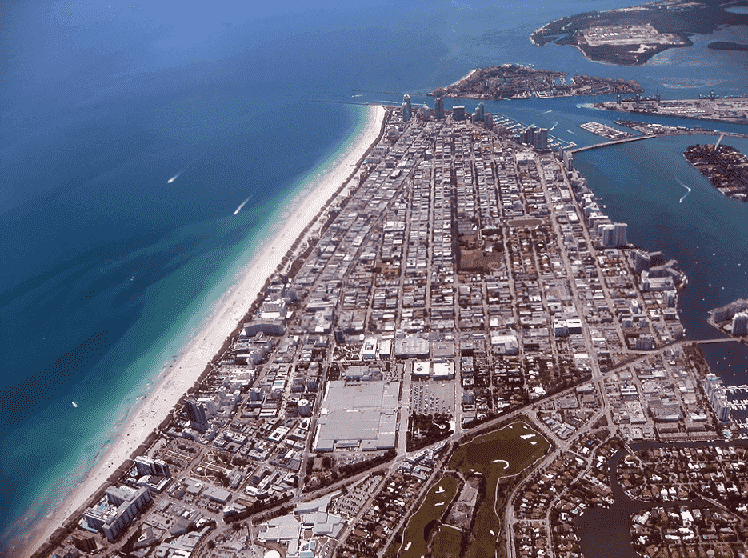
(107, 269)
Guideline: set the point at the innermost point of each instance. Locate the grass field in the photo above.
(434, 505)
(496, 455)
(447, 542)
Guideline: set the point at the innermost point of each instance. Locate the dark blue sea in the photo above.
(108, 269)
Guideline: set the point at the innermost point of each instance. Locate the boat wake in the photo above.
(684, 195)
(548, 111)
(238, 209)
(553, 127)
(173, 178)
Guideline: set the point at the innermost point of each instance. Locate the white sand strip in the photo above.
(230, 309)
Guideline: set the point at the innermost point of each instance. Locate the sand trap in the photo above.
(527, 436)
(506, 463)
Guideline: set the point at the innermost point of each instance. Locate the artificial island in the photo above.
(711, 108)
(723, 165)
(511, 81)
(462, 355)
(631, 36)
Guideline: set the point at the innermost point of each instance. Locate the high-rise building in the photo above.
(620, 236)
(196, 414)
(407, 109)
(148, 466)
(479, 113)
(541, 139)
(740, 324)
(569, 160)
(607, 235)
(439, 108)
(458, 113)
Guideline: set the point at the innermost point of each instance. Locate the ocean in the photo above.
(108, 268)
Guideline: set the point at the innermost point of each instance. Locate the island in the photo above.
(511, 81)
(720, 45)
(712, 108)
(462, 355)
(631, 36)
(724, 166)
(605, 131)
(657, 129)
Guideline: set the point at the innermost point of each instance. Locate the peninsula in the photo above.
(724, 166)
(631, 36)
(510, 81)
(462, 352)
(712, 108)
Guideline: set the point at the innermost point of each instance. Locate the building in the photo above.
(717, 395)
(620, 234)
(541, 139)
(117, 509)
(412, 347)
(149, 466)
(196, 414)
(407, 109)
(740, 324)
(568, 160)
(480, 113)
(439, 108)
(369, 349)
(358, 415)
(458, 113)
(607, 235)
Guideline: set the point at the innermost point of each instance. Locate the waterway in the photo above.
(605, 532)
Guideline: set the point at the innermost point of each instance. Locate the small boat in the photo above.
(75, 404)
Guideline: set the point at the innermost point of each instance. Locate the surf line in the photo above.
(684, 195)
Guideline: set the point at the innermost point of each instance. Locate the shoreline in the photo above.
(229, 310)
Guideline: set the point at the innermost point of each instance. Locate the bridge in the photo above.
(722, 340)
(613, 142)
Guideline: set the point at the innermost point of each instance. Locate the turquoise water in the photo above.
(108, 269)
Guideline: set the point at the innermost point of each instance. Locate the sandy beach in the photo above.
(228, 311)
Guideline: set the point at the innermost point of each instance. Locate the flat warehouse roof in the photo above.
(352, 414)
